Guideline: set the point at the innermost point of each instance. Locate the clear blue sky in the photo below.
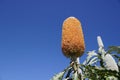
(30, 34)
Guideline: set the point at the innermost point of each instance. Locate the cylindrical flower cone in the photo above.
(72, 38)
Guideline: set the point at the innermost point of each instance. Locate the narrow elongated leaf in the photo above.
(90, 55)
(114, 49)
(93, 60)
(58, 76)
(75, 76)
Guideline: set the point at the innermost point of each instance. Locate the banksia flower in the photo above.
(72, 38)
(110, 63)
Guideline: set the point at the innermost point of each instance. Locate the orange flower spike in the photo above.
(72, 38)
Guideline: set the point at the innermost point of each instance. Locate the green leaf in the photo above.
(116, 56)
(93, 60)
(114, 49)
(95, 73)
(75, 76)
(66, 79)
(58, 76)
(111, 78)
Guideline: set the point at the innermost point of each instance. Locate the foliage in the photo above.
(99, 65)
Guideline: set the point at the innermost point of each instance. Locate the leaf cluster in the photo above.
(90, 70)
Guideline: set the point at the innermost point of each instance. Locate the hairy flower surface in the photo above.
(110, 63)
(72, 38)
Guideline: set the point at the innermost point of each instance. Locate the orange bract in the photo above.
(72, 38)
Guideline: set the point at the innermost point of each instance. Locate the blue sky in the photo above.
(30, 34)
